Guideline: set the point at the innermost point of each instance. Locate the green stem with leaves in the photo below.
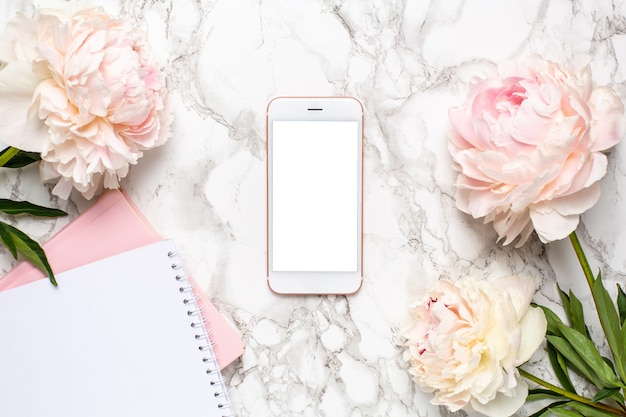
(16, 241)
(571, 395)
(608, 315)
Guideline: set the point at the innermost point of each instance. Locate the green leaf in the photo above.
(564, 299)
(575, 361)
(18, 242)
(7, 239)
(576, 315)
(543, 394)
(553, 321)
(605, 393)
(560, 369)
(574, 409)
(621, 304)
(589, 353)
(547, 410)
(25, 207)
(7, 154)
(16, 158)
(623, 340)
(589, 411)
(611, 325)
(563, 412)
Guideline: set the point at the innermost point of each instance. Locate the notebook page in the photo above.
(114, 339)
(113, 224)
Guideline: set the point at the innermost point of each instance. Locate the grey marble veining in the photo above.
(407, 61)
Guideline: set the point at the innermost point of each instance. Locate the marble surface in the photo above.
(407, 61)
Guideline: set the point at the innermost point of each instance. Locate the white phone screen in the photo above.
(314, 199)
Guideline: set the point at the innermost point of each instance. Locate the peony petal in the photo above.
(63, 188)
(593, 170)
(477, 165)
(520, 169)
(573, 204)
(52, 99)
(7, 50)
(503, 405)
(599, 168)
(528, 127)
(17, 129)
(477, 203)
(533, 331)
(520, 289)
(483, 136)
(551, 225)
(19, 40)
(578, 171)
(510, 225)
(460, 128)
(608, 123)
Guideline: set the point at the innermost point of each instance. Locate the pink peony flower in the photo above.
(81, 89)
(528, 147)
(467, 339)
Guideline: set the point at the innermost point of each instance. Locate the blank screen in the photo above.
(315, 196)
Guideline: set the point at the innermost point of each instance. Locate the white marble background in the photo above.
(407, 61)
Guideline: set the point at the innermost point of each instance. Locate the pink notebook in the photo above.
(111, 226)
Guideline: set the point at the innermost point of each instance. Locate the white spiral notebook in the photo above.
(119, 337)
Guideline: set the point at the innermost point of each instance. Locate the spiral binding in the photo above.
(203, 336)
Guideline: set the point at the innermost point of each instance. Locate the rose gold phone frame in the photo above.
(267, 194)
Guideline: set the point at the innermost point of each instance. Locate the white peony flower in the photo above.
(467, 340)
(80, 88)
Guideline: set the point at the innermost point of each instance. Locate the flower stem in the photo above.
(580, 254)
(571, 395)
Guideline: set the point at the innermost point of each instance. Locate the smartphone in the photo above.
(314, 195)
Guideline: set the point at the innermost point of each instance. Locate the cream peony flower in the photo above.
(467, 339)
(528, 146)
(80, 88)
